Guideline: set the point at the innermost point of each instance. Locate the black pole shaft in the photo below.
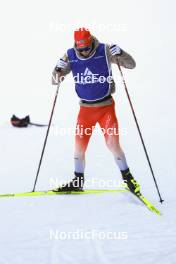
(46, 137)
(140, 134)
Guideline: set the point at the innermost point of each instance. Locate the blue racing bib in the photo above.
(92, 75)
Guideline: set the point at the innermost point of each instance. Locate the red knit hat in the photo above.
(82, 37)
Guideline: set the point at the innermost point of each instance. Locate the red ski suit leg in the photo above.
(87, 119)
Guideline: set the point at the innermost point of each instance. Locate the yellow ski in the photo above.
(50, 192)
(145, 201)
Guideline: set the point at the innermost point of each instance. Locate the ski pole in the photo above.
(46, 137)
(139, 131)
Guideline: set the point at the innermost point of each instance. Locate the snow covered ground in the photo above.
(48, 229)
(30, 226)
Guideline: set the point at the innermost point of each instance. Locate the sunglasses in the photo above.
(88, 48)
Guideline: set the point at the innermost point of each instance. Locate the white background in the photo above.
(32, 39)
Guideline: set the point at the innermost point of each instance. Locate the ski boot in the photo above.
(131, 183)
(74, 185)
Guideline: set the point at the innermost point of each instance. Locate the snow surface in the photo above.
(27, 223)
(31, 44)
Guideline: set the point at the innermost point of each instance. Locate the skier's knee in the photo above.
(79, 156)
(114, 148)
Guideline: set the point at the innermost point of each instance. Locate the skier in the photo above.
(90, 62)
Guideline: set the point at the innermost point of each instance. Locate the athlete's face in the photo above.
(85, 51)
